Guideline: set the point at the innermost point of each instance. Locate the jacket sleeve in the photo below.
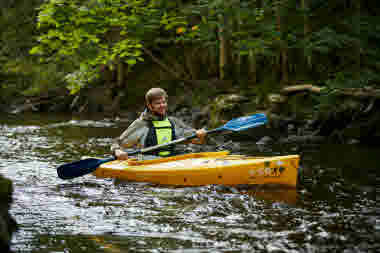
(133, 137)
(181, 129)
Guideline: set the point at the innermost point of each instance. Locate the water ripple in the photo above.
(333, 210)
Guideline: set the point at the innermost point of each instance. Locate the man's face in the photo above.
(159, 106)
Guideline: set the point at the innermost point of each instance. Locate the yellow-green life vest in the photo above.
(162, 131)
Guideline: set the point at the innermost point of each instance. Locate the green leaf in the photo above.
(35, 50)
(131, 61)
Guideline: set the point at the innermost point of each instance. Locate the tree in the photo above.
(94, 33)
(283, 36)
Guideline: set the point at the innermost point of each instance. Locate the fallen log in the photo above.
(360, 92)
(365, 92)
(300, 88)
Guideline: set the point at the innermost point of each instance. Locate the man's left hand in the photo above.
(201, 134)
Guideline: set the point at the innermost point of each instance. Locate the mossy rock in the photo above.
(225, 107)
(6, 190)
(7, 223)
(299, 106)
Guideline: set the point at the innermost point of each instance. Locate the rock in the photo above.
(357, 131)
(352, 141)
(279, 123)
(291, 127)
(224, 107)
(229, 100)
(265, 140)
(303, 139)
(277, 98)
(200, 118)
(127, 116)
(7, 223)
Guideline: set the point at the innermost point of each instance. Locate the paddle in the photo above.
(89, 165)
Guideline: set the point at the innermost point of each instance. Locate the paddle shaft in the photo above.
(148, 149)
(86, 166)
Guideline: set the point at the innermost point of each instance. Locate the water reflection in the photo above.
(288, 196)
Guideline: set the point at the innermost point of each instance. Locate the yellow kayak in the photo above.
(205, 168)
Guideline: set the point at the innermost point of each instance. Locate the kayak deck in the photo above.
(206, 168)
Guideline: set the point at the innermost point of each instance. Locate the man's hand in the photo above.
(201, 134)
(121, 155)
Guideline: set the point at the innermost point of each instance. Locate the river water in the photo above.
(333, 209)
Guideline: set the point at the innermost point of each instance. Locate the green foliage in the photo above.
(93, 33)
(18, 71)
(333, 43)
(24, 77)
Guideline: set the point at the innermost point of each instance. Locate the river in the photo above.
(333, 209)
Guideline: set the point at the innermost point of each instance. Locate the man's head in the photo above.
(156, 101)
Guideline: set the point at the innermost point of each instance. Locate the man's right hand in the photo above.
(120, 154)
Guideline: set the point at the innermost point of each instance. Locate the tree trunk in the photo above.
(120, 73)
(238, 65)
(222, 50)
(252, 66)
(213, 62)
(357, 44)
(306, 31)
(107, 75)
(284, 65)
(306, 24)
(162, 64)
(191, 62)
(283, 43)
(238, 22)
(224, 47)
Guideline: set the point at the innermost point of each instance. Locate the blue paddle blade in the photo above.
(80, 168)
(243, 123)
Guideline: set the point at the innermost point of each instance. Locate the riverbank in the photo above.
(296, 115)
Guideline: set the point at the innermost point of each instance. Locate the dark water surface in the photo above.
(334, 208)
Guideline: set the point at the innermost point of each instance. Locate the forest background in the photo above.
(305, 59)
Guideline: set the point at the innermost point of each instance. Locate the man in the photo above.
(154, 127)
